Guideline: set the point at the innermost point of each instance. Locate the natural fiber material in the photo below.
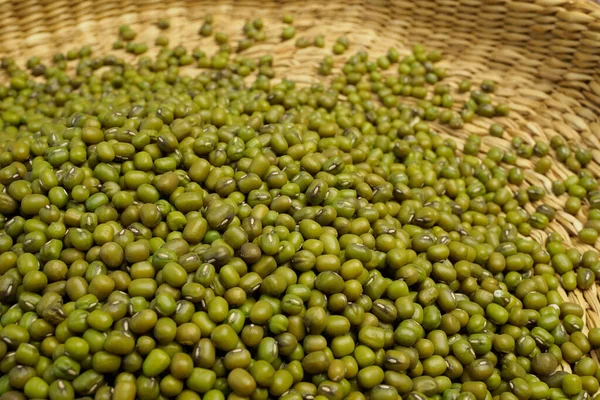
(545, 55)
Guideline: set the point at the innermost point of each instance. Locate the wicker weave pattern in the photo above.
(544, 53)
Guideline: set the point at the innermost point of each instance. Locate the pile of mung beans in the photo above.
(231, 235)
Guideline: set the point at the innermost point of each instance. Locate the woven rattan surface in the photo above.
(545, 54)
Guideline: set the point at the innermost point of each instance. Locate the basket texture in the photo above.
(545, 54)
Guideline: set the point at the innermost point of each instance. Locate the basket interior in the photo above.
(545, 54)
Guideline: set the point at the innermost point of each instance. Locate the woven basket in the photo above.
(544, 53)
